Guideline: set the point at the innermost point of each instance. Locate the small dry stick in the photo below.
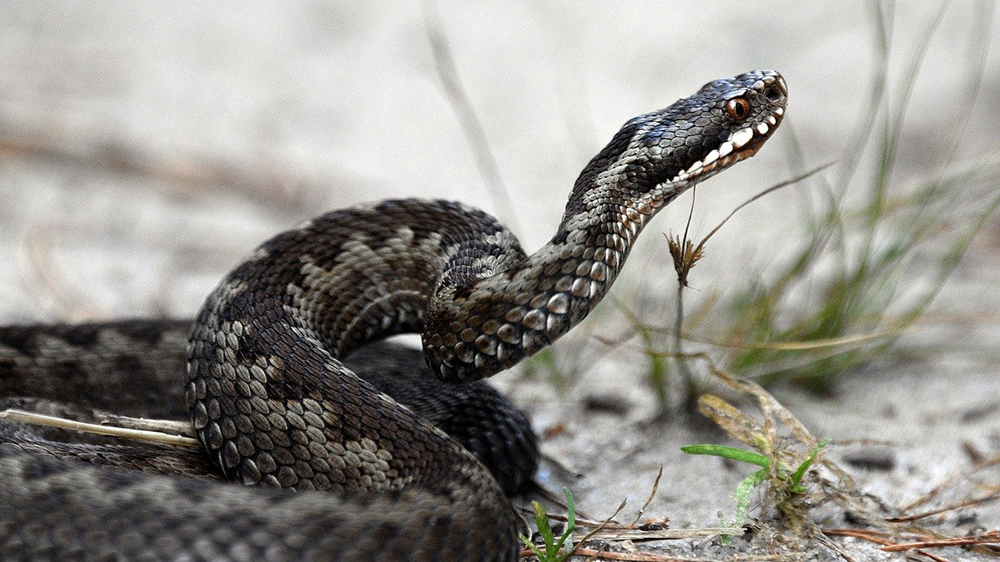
(875, 537)
(951, 481)
(163, 432)
(633, 556)
(991, 538)
(968, 503)
(665, 534)
(649, 500)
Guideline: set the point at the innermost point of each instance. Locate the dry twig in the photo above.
(163, 432)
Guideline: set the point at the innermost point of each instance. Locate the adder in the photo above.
(352, 456)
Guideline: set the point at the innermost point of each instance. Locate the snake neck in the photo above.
(487, 324)
(486, 320)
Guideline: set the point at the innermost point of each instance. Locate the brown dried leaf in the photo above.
(768, 404)
(733, 422)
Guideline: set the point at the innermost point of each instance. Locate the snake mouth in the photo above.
(741, 144)
(746, 141)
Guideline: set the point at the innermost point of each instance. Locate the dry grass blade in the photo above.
(767, 403)
(635, 535)
(732, 421)
(600, 528)
(685, 253)
(633, 556)
(162, 432)
(447, 70)
(894, 331)
(995, 460)
(698, 250)
(627, 556)
(991, 538)
(170, 427)
(968, 503)
(649, 500)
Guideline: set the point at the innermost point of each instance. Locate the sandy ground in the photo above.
(145, 149)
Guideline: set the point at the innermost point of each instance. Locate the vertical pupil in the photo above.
(738, 108)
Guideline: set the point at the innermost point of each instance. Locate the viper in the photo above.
(347, 449)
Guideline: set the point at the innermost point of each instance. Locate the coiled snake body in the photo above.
(273, 403)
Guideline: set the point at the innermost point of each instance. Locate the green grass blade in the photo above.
(531, 546)
(542, 520)
(728, 453)
(570, 520)
(742, 495)
(804, 466)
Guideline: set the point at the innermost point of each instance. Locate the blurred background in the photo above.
(145, 148)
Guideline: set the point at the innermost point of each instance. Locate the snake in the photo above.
(348, 447)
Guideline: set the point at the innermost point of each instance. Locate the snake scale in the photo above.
(280, 400)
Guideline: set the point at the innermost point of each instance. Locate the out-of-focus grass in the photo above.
(868, 270)
(875, 252)
(862, 274)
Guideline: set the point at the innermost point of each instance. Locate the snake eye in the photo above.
(738, 109)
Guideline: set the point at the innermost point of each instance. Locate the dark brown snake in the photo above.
(273, 403)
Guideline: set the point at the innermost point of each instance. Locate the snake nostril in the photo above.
(774, 93)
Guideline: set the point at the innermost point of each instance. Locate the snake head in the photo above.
(725, 122)
(658, 155)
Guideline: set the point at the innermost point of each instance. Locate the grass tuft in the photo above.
(790, 479)
(552, 549)
(783, 449)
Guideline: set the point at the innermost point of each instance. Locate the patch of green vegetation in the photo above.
(790, 480)
(552, 549)
(783, 449)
